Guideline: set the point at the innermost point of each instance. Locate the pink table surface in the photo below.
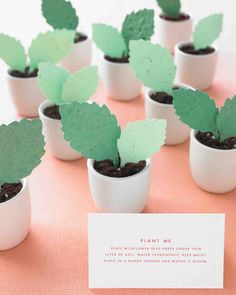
(54, 258)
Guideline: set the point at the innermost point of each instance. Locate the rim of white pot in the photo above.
(20, 78)
(115, 64)
(43, 106)
(178, 45)
(23, 182)
(195, 141)
(90, 164)
(174, 21)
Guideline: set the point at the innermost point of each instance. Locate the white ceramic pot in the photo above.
(195, 70)
(119, 195)
(176, 132)
(54, 136)
(26, 95)
(80, 56)
(119, 80)
(15, 216)
(213, 170)
(170, 33)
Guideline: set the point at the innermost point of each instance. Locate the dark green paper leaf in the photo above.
(170, 7)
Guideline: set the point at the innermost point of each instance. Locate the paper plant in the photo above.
(153, 65)
(115, 44)
(199, 112)
(170, 8)
(61, 87)
(94, 132)
(49, 46)
(21, 149)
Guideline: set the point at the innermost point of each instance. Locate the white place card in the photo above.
(156, 250)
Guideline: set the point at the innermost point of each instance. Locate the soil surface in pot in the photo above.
(189, 49)
(208, 139)
(107, 168)
(9, 191)
(52, 112)
(163, 97)
(181, 17)
(122, 60)
(79, 37)
(25, 74)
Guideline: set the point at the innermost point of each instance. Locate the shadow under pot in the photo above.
(195, 67)
(213, 167)
(51, 120)
(25, 92)
(159, 105)
(171, 31)
(15, 214)
(119, 79)
(127, 194)
(81, 54)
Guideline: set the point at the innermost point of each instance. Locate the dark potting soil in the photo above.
(25, 74)
(207, 139)
(79, 37)
(181, 17)
(163, 97)
(52, 112)
(9, 191)
(107, 168)
(191, 50)
(122, 60)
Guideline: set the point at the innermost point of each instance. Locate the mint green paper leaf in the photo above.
(13, 53)
(109, 40)
(170, 7)
(138, 25)
(21, 149)
(153, 65)
(50, 47)
(60, 14)
(141, 139)
(226, 120)
(81, 85)
(91, 129)
(196, 109)
(207, 31)
(51, 79)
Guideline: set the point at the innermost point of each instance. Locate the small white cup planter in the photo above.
(15, 216)
(172, 32)
(177, 132)
(119, 195)
(119, 80)
(213, 170)
(195, 70)
(53, 133)
(26, 95)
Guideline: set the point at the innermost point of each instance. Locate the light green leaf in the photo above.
(153, 65)
(207, 31)
(51, 47)
(170, 7)
(141, 139)
(196, 109)
(81, 85)
(109, 40)
(226, 120)
(21, 149)
(13, 53)
(138, 25)
(60, 14)
(90, 129)
(51, 79)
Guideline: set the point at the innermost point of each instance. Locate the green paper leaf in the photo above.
(109, 40)
(170, 7)
(50, 47)
(21, 149)
(141, 139)
(81, 85)
(51, 79)
(12, 52)
(91, 129)
(153, 65)
(60, 14)
(226, 120)
(138, 25)
(207, 31)
(196, 109)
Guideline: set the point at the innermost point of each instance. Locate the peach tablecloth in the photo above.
(54, 259)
